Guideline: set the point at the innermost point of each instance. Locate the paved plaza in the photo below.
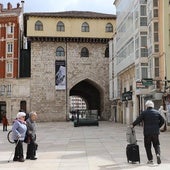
(65, 147)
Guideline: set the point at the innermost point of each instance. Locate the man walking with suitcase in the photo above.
(152, 121)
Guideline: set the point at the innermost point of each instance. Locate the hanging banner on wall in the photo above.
(60, 75)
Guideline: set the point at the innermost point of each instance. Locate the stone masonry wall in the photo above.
(49, 103)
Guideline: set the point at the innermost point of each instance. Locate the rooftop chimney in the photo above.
(1, 7)
(18, 5)
(22, 4)
(9, 6)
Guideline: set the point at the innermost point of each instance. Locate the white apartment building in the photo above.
(77, 103)
(134, 62)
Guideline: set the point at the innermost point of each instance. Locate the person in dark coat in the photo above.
(5, 122)
(152, 121)
(31, 132)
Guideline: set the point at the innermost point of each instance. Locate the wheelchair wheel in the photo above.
(9, 137)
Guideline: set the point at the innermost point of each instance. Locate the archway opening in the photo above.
(90, 93)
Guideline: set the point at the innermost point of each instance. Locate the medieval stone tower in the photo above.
(69, 56)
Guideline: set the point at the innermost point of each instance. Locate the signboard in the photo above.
(139, 85)
(147, 82)
(144, 83)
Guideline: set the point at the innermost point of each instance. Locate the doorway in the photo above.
(2, 109)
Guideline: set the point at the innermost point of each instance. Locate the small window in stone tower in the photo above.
(109, 27)
(60, 51)
(85, 27)
(60, 26)
(38, 26)
(84, 52)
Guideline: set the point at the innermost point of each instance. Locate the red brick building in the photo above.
(11, 19)
(10, 41)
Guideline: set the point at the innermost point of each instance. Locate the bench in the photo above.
(87, 118)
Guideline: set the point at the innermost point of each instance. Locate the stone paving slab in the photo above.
(65, 147)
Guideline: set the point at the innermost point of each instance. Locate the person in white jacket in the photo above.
(19, 129)
(164, 115)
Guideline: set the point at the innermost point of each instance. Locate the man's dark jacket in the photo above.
(152, 121)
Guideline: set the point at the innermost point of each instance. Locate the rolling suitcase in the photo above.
(132, 153)
(132, 149)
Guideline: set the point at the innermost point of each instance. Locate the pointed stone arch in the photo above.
(91, 92)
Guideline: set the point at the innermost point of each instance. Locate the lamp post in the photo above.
(165, 71)
(66, 88)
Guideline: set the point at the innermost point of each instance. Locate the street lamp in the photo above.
(165, 69)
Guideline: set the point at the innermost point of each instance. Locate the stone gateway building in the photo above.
(69, 57)
(64, 54)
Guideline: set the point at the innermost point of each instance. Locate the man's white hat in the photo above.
(21, 114)
(149, 103)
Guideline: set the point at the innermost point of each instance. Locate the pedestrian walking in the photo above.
(163, 114)
(4, 122)
(19, 129)
(31, 132)
(152, 121)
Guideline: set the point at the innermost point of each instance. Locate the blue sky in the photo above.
(103, 6)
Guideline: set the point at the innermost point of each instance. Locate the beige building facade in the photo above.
(164, 26)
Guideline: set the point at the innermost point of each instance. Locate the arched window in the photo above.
(84, 52)
(60, 51)
(109, 27)
(60, 26)
(85, 27)
(38, 26)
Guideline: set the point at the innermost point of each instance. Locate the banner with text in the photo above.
(60, 75)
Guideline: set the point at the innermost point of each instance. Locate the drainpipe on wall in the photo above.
(20, 33)
(67, 116)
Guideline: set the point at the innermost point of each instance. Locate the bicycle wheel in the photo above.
(9, 137)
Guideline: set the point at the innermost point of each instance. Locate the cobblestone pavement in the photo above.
(65, 147)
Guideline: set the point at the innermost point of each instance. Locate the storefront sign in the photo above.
(147, 82)
(139, 84)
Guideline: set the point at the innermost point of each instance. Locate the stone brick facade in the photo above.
(51, 104)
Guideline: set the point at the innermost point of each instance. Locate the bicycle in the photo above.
(9, 137)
